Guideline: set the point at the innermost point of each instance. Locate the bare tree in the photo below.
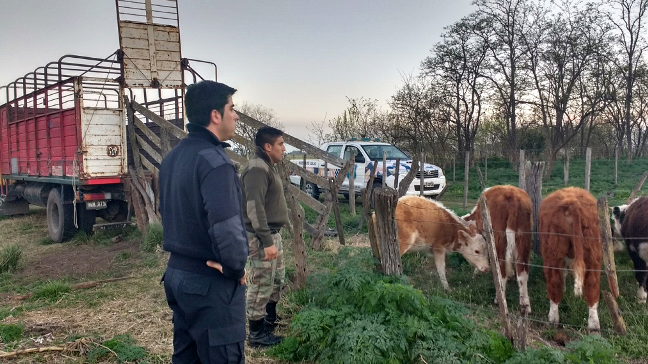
(627, 17)
(260, 113)
(358, 120)
(505, 21)
(455, 70)
(318, 134)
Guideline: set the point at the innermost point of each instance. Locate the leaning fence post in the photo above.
(610, 266)
(495, 268)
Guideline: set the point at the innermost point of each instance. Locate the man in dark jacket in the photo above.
(200, 204)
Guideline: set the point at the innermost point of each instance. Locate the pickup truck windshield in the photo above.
(375, 152)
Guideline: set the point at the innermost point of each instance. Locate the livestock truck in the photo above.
(63, 145)
(368, 155)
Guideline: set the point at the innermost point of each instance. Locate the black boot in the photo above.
(260, 336)
(271, 319)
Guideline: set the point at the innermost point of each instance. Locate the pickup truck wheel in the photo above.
(85, 218)
(60, 217)
(346, 196)
(312, 190)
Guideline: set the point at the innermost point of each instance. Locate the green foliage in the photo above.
(590, 349)
(46, 240)
(10, 333)
(51, 291)
(358, 316)
(121, 346)
(10, 258)
(153, 238)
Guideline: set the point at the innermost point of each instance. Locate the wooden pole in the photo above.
(610, 266)
(495, 268)
(522, 171)
(352, 210)
(588, 167)
(566, 167)
(384, 169)
(373, 241)
(297, 214)
(466, 172)
(385, 200)
(616, 165)
(637, 187)
(397, 172)
(336, 212)
(534, 189)
(422, 175)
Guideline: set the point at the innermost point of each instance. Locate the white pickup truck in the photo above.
(367, 154)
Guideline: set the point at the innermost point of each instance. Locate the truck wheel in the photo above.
(60, 217)
(85, 218)
(312, 190)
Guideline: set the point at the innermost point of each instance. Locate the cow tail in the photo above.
(577, 244)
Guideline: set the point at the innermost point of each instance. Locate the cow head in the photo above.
(618, 214)
(473, 247)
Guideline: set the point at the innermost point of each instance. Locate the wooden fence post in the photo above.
(566, 167)
(466, 172)
(373, 241)
(534, 189)
(637, 187)
(422, 175)
(385, 200)
(610, 266)
(588, 167)
(522, 171)
(352, 210)
(336, 212)
(397, 172)
(299, 247)
(616, 165)
(495, 268)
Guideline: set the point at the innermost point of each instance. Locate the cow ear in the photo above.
(464, 235)
(472, 223)
(616, 211)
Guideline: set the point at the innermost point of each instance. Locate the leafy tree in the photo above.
(259, 113)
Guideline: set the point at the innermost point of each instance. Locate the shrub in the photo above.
(153, 238)
(10, 258)
(357, 316)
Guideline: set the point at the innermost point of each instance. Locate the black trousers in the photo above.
(208, 317)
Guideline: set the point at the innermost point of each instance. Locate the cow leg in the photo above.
(522, 280)
(593, 319)
(592, 292)
(555, 285)
(439, 261)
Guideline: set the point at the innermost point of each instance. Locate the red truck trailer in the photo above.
(63, 144)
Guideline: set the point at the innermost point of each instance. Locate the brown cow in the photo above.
(425, 225)
(511, 213)
(570, 238)
(633, 222)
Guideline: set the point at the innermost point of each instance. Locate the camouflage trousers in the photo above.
(265, 278)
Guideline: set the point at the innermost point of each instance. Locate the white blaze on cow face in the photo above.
(473, 248)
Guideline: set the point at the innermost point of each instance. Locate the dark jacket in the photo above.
(200, 204)
(265, 209)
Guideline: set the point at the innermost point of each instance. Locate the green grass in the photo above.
(10, 258)
(10, 333)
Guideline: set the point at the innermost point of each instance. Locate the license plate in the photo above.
(96, 205)
(429, 184)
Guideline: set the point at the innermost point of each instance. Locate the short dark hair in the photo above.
(266, 134)
(203, 97)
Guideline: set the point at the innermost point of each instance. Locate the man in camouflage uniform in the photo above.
(265, 213)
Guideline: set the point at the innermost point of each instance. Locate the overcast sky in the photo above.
(300, 58)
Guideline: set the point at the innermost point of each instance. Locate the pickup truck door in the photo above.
(351, 151)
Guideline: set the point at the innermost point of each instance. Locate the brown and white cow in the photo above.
(425, 225)
(570, 238)
(511, 213)
(632, 222)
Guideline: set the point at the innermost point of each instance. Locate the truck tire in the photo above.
(312, 190)
(60, 217)
(85, 218)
